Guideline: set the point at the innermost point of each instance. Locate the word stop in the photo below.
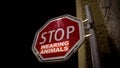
(53, 34)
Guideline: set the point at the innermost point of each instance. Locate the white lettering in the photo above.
(68, 30)
(55, 47)
(43, 37)
(66, 48)
(44, 46)
(56, 34)
(51, 33)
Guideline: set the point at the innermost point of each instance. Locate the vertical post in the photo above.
(92, 38)
(82, 63)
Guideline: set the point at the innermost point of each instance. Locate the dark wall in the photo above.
(111, 13)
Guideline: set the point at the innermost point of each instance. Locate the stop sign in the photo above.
(58, 39)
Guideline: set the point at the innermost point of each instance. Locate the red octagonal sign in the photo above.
(58, 39)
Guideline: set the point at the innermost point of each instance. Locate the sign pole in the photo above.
(92, 38)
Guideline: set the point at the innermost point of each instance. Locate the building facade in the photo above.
(106, 15)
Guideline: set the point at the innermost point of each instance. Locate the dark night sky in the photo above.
(26, 18)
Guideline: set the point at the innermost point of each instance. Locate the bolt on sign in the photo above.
(58, 39)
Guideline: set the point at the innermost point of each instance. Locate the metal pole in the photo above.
(92, 38)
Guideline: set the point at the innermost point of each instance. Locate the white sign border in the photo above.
(71, 51)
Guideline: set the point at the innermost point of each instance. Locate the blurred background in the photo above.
(26, 17)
